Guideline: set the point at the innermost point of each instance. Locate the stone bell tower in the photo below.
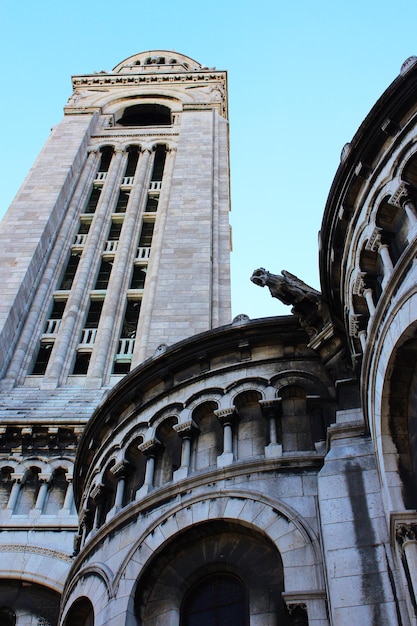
(120, 241)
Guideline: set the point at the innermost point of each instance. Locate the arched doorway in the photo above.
(215, 600)
(201, 563)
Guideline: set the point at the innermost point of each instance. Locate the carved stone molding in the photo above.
(12, 547)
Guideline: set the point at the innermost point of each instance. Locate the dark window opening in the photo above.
(42, 358)
(114, 233)
(93, 200)
(146, 115)
(121, 367)
(69, 275)
(81, 363)
(152, 203)
(159, 163)
(131, 318)
(103, 275)
(84, 228)
(106, 156)
(94, 312)
(122, 201)
(138, 277)
(217, 600)
(146, 235)
(132, 161)
(58, 309)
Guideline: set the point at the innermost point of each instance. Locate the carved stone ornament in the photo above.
(405, 533)
(306, 301)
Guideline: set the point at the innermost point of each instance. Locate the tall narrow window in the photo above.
(122, 201)
(215, 601)
(55, 317)
(88, 337)
(152, 203)
(42, 358)
(69, 274)
(159, 163)
(106, 156)
(146, 235)
(138, 277)
(93, 200)
(132, 161)
(81, 236)
(114, 232)
(103, 275)
(94, 312)
(127, 338)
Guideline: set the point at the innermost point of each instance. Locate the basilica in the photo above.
(163, 464)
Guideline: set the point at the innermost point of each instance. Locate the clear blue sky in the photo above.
(302, 76)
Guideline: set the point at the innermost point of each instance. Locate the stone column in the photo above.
(360, 289)
(72, 320)
(356, 329)
(142, 350)
(119, 470)
(401, 198)
(186, 431)
(96, 496)
(69, 496)
(14, 494)
(112, 313)
(375, 244)
(406, 536)
(271, 410)
(227, 417)
(150, 450)
(43, 293)
(42, 493)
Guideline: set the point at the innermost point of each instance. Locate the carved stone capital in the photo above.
(151, 447)
(374, 242)
(186, 429)
(120, 469)
(227, 416)
(400, 196)
(356, 325)
(271, 408)
(359, 286)
(96, 492)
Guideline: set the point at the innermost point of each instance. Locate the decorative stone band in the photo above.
(12, 547)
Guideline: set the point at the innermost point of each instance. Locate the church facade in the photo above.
(162, 464)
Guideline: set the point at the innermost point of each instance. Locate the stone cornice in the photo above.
(121, 80)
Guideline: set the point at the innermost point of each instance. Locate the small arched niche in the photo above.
(149, 114)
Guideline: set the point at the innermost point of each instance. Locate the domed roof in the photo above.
(166, 59)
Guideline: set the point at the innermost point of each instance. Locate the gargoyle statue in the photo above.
(306, 301)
